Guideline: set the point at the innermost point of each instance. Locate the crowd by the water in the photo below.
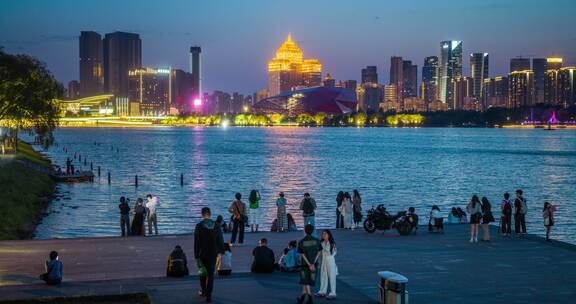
(309, 256)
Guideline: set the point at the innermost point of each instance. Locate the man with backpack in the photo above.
(506, 207)
(308, 205)
(520, 210)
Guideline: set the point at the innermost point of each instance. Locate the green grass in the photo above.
(20, 188)
(26, 152)
(135, 298)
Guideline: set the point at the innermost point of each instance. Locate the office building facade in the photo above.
(449, 68)
(91, 64)
(429, 85)
(478, 72)
(196, 71)
(520, 89)
(122, 53)
(519, 64)
(369, 75)
(151, 89)
(409, 79)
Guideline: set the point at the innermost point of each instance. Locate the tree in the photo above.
(28, 97)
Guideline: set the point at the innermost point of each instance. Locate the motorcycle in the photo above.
(380, 219)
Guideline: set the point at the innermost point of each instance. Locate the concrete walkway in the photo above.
(441, 267)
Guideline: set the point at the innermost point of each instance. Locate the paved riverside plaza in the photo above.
(441, 268)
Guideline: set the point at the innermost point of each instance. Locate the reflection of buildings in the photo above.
(520, 88)
(449, 67)
(560, 87)
(288, 70)
(330, 100)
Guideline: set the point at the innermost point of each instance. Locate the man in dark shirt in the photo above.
(310, 249)
(208, 245)
(413, 218)
(520, 210)
(124, 216)
(263, 258)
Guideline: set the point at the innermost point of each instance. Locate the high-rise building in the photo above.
(462, 88)
(288, 70)
(539, 68)
(560, 87)
(519, 64)
(183, 92)
(122, 53)
(495, 92)
(554, 63)
(73, 89)
(390, 93)
(410, 79)
(91, 69)
(151, 89)
(397, 75)
(350, 85)
(196, 71)
(370, 74)
(478, 72)
(329, 81)
(449, 67)
(429, 87)
(370, 97)
(520, 88)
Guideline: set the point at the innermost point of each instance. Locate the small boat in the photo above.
(78, 177)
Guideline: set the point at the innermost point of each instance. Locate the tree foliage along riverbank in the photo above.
(489, 118)
(25, 194)
(28, 97)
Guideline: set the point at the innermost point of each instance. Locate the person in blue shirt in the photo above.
(53, 275)
(290, 261)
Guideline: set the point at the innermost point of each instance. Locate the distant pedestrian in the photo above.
(506, 207)
(282, 223)
(436, 220)
(328, 270)
(53, 268)
(339, 218)
(238, 210)
(68, 165)
(487, 218)
(347, 211)
(548, 215)
(177, 263)
(474, 208)
(310, 250)
(124, 216)
(208, 244)
(139, 212)
(308, 207)
(263, 258)
(254, 210)
(357, 208)
(151, 207)
(224, 261)
(520, 210)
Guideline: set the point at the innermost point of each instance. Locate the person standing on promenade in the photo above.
(53, 274)
(151, 206)
(238, 210)
(520, 210)
(487, 218)
(328, 269)
(347, 210)
(282, 222)
(208, 245)
(475, 210)
(339, 218)
(254, 210)
(548, 215)
(506, 207)
(310, 250)
(308, 206)
(124, 216)
(138, 219)
(357, 208)
(68, 165)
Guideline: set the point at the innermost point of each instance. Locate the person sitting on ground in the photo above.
(224, 261)
(222, 224)
(177, 263)
(263, 258)
(436, 223)
(454, 216)
(53, 275)
(291, 223)
(290, 260)
(413, 218)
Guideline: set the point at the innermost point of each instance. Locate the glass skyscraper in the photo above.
(449, 68)
(478, 72)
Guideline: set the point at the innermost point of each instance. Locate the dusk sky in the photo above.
(239, 37)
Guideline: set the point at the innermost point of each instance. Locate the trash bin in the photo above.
(392, 288)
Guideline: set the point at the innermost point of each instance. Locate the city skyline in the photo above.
(361, 37)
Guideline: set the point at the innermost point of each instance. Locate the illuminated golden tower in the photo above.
(288, 70)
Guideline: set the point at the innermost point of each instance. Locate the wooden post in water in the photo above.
(98, 170)
(108, 177)
(84, 161)
(79, 158)
(91, 166)
(136, 180)
(181, 179)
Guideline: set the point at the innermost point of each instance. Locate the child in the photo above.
(224, 262)
(53, 275)
(290, 260)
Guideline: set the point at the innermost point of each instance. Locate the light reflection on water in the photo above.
(397, 167)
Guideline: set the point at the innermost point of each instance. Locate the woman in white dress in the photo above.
(328, 270)
(347, 211)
